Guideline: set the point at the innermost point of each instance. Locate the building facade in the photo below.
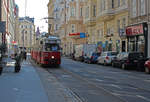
(26, 33)
(8, 16)
(106, 23)
(112, 18)
(138, 32)
(51, 14)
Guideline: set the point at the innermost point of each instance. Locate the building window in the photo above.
(87, 12)
(124, 23)
(72, 11)
(123, 2)
(56, 27)
(142, 8)
(118, 25)
(118, 3)
(134, 7)
(21, 26)
(94, 10)
(73, 28)
(112, 3)
(81, 12)
(103, 5)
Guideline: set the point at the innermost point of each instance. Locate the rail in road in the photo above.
(95, 89)
(131, 86)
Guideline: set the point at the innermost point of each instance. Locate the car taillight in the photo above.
(127, 61)
(107, 57)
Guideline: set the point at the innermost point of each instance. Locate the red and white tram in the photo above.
(47, 51)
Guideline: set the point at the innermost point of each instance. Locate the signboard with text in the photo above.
(135, 30)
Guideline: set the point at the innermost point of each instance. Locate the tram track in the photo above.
(68, 94)
(67, 72)
(88, 83)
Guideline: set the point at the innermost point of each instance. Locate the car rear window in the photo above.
(112, 54)
(136, 55)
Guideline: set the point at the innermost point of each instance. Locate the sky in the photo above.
(37, 9)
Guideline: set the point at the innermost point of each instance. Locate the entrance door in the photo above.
(123, 46)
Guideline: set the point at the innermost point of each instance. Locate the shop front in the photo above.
(137, 37)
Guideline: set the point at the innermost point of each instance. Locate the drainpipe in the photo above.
(148, 24)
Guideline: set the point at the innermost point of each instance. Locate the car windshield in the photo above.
(112, 54)
(51, 47)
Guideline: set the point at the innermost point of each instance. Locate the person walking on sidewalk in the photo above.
(18, 58)
(25, 55)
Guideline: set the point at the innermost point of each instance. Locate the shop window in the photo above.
(141, 44)
(123, 46)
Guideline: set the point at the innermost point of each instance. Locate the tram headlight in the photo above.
(52, 57)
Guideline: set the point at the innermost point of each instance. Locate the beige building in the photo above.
(139, 21)
(111, 20)
(90, 20)
(75, 26)
(51, 16)
(26, 33)
(8, 15)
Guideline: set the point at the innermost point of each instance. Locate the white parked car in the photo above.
(106, 57)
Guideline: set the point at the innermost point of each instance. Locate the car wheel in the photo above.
(113, 65)
(105, 63)
(147, 70)
(123, 66)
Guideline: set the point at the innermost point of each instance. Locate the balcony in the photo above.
(106, 15)
(90, 21)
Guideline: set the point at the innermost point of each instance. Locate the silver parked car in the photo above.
(106, 57)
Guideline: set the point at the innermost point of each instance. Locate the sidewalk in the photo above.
(24, 86)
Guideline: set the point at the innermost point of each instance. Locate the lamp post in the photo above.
(23, 38)
(49, 25)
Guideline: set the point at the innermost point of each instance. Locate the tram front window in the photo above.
(51, 47)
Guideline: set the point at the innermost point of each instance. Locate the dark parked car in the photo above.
(91, 59)
(94, 57)
(130, 60)
(147, 66)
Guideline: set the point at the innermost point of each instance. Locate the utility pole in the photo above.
(25, 8)
(0, 10)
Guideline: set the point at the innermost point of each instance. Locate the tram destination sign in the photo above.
(2, 27)
(52, 41)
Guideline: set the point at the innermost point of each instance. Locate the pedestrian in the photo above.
(18, 62)
(25, 55)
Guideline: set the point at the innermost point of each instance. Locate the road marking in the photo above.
(99, 80)
(147, 99)
(148, 80)
(117, 86)
(117, 94)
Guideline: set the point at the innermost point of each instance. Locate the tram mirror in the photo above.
(41, 42)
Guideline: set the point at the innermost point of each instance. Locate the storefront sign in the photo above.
(134, 30)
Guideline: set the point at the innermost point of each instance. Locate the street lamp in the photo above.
(49, 25)
(23, 38)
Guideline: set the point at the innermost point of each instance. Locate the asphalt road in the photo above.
(98, 83)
